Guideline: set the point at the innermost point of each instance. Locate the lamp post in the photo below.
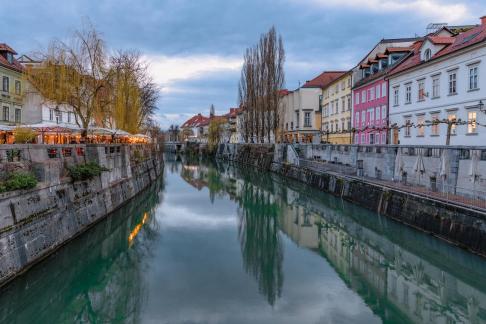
(481, 107)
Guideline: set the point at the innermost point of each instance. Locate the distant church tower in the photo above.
(211, 111)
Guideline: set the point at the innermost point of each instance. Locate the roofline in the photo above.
(387, 40)
(440, 58)
(11, 68)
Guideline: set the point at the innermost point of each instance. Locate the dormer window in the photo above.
(427, 54)
(9, 57)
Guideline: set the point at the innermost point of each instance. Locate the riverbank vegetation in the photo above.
(86, 171)
(18, 181)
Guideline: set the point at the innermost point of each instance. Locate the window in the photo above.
(58, 117)
(408, 126)
(383, 113)
(331, 112)
(51, 114)
(473, 78)
(363, 96)
(435, 124)
(349, 103)
(297, 121)
(421, 90)
(307, 119)
(396, 91)
(377, 91)
(377, 114)
(343, 104)
(436, 87)
(18, 115)
(363, 118)
(427, 54)
(349, 123)
(372, 94)
(291, 125)
(356, 119)
(5, 84)
(286, 125)
(356, 99)
(343, 85)
(452, 118)
(69, 118)
(420, 124)
(383, 90)
(371, 116)
(6, 113)
(349, 82)
(18, 87)
(337, 106)
(471, 122)
(337, 88)
(343, 126)
(452, 83)
(408, 93)
(372, 138)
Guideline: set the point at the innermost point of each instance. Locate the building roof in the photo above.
(195, 121)
(324, 79)
(471, 37)
(5, 48)
(397, 49)
(15, 65)
(233, 112)
(441, 40)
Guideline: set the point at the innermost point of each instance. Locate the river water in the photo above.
(214, 243)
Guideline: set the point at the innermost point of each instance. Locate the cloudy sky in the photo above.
(195, 47)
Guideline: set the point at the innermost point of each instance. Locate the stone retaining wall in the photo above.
(458, 225)
(34, 223)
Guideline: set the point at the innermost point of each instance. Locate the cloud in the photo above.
(168, 70)
(434, 9)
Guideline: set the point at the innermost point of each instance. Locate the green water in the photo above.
(214, 243)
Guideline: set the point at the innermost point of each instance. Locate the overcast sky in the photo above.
(195, 47)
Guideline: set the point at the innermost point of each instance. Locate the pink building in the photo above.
(371, 112)
(370, 90)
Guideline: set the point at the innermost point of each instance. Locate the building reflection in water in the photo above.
(106, 285)
(402, 275)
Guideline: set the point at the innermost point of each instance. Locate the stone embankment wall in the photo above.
(34, 223)
(456, 224)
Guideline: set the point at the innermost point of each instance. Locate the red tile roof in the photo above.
(441, 40)
(15, 65)
(381, 56)
(195, 121)
(460, 41)
(284, 92)
(397, 49)
(5, 48)
(233, 112)
(324, 79)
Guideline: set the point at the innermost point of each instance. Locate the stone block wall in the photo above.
(34, 223)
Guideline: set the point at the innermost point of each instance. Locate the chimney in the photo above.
(483, 20)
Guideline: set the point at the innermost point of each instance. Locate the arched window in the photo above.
(427, 54)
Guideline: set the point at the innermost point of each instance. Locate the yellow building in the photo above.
(11, 87)
(336, 111)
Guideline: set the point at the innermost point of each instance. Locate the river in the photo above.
(216, 243)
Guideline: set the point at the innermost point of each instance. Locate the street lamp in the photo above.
(481, 106)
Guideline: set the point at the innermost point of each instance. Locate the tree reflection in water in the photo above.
(260, 241)
(106, 285)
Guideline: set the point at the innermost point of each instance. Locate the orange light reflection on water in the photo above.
(137, 229)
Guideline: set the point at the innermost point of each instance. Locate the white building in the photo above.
(443, 80)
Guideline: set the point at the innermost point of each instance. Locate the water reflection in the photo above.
(97, 278)
(401, 274)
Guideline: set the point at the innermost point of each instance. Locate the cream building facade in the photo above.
(336, 110)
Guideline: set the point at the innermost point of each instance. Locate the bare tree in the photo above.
(262, 78)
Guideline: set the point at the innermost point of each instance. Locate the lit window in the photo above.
(421, 90)
(473, 78)
(452, 83)
(420, 124)
(408, 126)
(435, 124)
(471, 122)
(452, 119)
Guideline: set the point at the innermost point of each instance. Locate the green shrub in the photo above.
(17, 181)
(86, 171)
